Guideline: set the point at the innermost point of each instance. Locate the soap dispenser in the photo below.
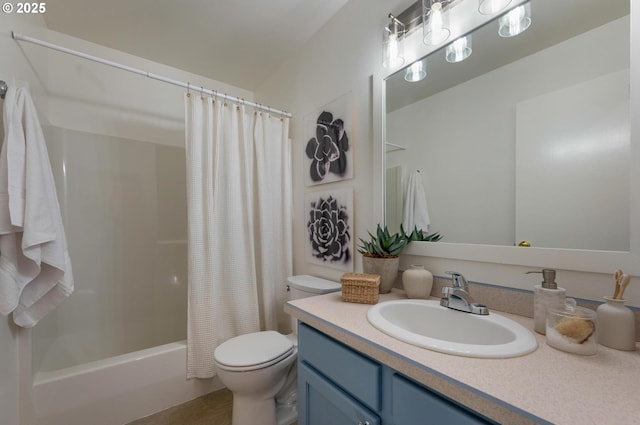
(544, 295)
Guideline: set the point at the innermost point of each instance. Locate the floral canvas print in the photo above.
(329, 143)
(329, 222)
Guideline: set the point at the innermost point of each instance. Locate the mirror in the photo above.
(528, 139)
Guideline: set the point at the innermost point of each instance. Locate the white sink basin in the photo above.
(425, 323)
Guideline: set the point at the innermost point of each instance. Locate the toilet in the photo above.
(260, 368)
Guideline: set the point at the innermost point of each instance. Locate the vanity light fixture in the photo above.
(416, 72)
(459, 50)
(392, 47)
(489, 7)
(435, 22)
(515, 21)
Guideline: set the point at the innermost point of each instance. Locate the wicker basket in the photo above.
(360, 288)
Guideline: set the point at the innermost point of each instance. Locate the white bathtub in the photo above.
(117, 390)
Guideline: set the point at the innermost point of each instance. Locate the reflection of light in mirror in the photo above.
(459, 50)
(175, 280)
(564, 149)
(416, 72)
(489, 7)
(515, 22)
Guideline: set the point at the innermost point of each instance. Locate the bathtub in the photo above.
(117, 390)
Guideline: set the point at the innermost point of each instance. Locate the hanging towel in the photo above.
(415, 213)
(35, 268)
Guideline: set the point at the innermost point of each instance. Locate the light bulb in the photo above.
(435, 23)
(392, 45)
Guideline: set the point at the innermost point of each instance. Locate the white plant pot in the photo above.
(386, 268)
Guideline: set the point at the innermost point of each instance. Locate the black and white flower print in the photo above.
(327, 150)
(328, 228)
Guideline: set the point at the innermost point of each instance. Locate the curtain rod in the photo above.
(188, 86)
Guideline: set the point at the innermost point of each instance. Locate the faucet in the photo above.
(457, 296)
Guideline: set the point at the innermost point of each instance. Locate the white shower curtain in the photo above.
(239, 206)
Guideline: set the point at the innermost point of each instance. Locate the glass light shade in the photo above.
(515, 21)
(416, 72)
(392, 46)
(435, 23)
(489, 7)
(459, 50)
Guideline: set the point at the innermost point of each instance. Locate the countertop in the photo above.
(548, 384)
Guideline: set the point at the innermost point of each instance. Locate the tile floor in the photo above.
(210, 409)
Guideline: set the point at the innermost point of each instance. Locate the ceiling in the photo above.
(238, 42)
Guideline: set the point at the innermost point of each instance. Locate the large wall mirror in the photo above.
(528, 140)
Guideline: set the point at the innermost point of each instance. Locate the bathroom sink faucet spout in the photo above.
(457, 296)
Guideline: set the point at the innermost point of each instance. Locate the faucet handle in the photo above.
(457, 280)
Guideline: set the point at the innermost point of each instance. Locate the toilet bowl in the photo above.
(260, 368)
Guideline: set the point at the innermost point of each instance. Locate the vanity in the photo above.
(342, 386)
(351, 373)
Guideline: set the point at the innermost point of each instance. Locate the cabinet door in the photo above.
(322, 403)
(356, 374)
(414, 404)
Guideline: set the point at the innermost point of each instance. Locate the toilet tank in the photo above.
(303, 286)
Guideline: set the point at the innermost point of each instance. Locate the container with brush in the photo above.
(616, 322)
(571, 328)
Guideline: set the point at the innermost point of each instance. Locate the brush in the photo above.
(624, 282)
(617, 275)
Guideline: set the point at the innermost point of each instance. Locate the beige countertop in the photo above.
(549, 384)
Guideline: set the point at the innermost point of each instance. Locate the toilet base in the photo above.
(251, 411)
(286, 414)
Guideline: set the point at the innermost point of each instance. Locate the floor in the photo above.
(210, 409)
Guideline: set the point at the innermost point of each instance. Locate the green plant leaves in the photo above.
(385, 244)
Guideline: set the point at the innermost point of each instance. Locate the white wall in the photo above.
(340, 58)
(95, 98)
(15, 67)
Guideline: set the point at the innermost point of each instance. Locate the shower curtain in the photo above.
(239, 207)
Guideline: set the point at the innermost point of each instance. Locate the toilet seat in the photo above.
(253, 351)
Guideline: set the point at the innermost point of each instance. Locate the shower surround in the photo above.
(115, 349)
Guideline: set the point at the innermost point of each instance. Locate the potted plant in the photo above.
(381, 253)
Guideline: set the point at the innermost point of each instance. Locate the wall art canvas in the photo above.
(329, 142)
(329, 222)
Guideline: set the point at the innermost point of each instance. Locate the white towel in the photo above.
(35, 268)
(415, 213)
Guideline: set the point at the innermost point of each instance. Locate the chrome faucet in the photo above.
(457, 296)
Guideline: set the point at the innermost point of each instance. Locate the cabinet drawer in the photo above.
(415, 404)
(356, 374)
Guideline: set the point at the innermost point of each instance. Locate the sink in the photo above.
(427, 324)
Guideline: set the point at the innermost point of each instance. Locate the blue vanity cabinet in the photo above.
(320, 402)
(414, 404)
(338, 385)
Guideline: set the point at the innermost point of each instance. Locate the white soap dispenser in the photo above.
(544, 295)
